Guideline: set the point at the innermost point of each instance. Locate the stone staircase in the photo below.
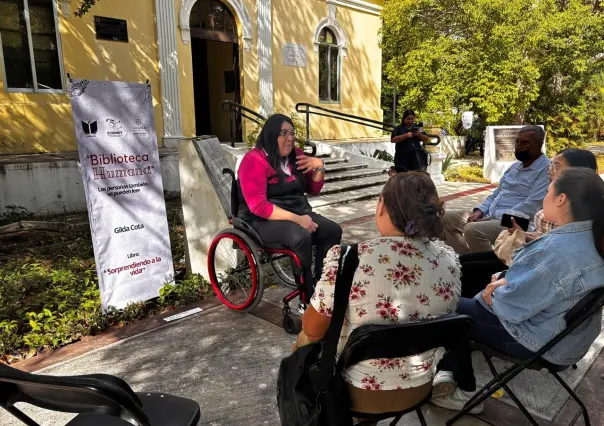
(347, 182)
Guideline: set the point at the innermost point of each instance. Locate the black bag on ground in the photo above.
(309, 390)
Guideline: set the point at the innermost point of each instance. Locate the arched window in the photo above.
(329, 66)
(212, 20)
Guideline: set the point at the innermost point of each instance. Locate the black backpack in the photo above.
(310, 390)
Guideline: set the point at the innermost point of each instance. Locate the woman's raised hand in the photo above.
(308, 164)
(306, 222)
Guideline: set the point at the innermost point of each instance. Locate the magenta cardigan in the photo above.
(254, 173)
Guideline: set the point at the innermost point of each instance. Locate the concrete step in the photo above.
(345, 197)
(353, 174)
(329, 160)
(352, 184)
(341, 167)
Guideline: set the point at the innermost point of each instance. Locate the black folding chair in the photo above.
(99, 399)
(393, 341)
(586, 308)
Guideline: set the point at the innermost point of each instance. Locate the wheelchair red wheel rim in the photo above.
(219, 289)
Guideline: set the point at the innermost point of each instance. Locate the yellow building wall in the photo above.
(360, 71)
(43, 123)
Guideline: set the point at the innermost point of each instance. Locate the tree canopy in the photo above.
(511, 61)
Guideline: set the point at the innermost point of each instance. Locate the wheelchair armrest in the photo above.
(247, 229)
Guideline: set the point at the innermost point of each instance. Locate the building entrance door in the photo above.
(216, 70)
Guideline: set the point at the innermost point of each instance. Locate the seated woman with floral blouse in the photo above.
(403, 276)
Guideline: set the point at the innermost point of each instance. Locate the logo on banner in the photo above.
(115, 128)
(90, 128)
(139, 128)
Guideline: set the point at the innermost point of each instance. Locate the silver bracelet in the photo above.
(320, 169)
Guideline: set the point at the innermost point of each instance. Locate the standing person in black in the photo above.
(408, 142)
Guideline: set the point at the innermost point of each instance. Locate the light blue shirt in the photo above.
(521, 189)
(546, 279)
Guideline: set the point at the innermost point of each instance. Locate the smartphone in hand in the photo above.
(506, 221)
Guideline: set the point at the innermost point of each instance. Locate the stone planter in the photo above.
(453, 146)
(436, 168)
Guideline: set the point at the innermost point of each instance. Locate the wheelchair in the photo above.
(236, 259)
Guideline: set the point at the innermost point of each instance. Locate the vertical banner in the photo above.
(115, 129)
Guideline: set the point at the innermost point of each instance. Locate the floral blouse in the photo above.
(398, 280)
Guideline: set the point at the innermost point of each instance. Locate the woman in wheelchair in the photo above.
(274, 177)
(403, 276)
(519, 313)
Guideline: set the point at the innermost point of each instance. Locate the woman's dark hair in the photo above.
(412, 203)
(268, 140)
(585, 192)
(579, 158)
(407, 113)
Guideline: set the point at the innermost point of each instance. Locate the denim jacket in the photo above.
(546, 279)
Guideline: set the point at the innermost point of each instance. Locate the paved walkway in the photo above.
(225, 361)
(228, 362)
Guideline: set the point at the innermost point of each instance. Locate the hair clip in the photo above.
(410, 228)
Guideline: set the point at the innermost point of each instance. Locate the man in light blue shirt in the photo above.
(522, 189)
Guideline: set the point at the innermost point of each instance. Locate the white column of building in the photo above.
(168, 71)
(265, 56)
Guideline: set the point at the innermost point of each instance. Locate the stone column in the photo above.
(265, 56)
(168, 69)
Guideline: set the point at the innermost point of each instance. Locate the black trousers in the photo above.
(476, 271)
(289, 235)
(489, 331)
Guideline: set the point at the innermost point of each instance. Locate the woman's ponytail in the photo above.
(584, 189)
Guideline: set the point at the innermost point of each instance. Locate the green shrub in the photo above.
(45, 306)
(49, 294)
(185, 292)
(469, 173)
(447, 163)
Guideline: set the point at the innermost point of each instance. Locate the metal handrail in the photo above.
(307, 109)
(234, 108)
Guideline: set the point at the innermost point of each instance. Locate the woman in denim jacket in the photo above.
(520, 313)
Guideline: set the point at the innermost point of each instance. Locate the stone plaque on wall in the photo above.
(294, 55)
(111, 29)
(505, 140)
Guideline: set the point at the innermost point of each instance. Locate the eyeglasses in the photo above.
(553, 167)
(286, 133)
